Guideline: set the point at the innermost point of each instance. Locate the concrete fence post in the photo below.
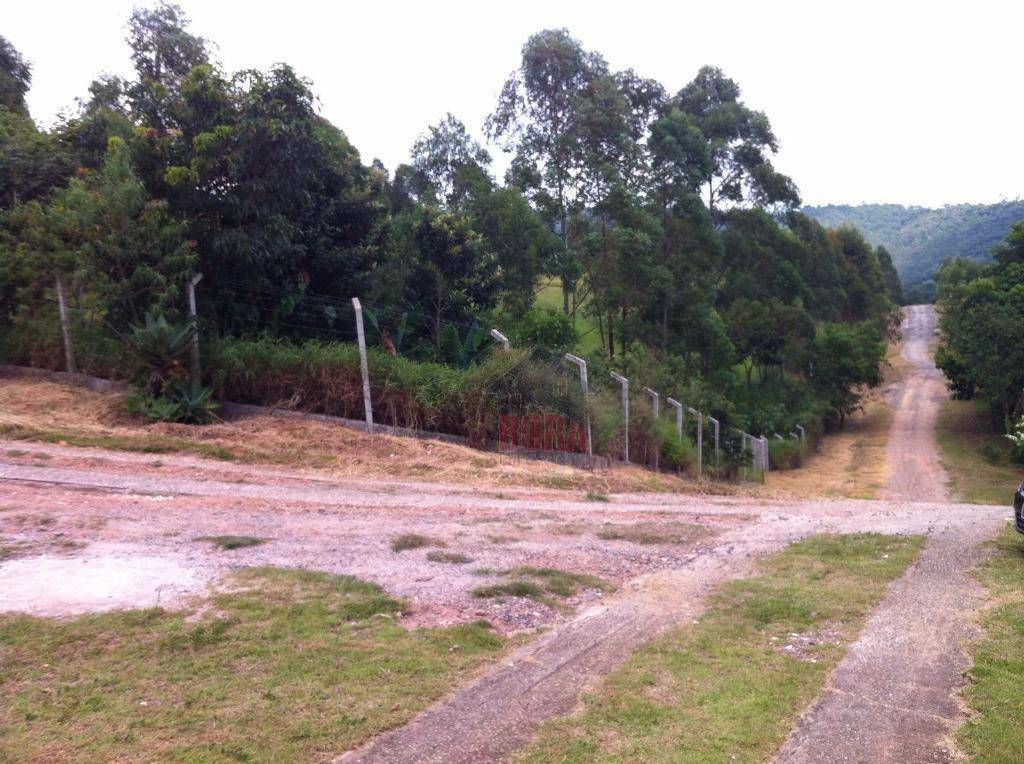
(764, 454)
(656, 410)
(700, 438)
(194, 369)
(586, 394)
(364, 366)
(679, 415)
(500, 338)
(718, 458)
(625, 414)
(65, 326)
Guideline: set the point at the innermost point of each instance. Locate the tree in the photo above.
(521, 242)
(107, 243)
(452, 163)
(276, 199)
(740, 141)
(538, 119)
(15, 78)
(453, 274)
(841, 359)
(163, 53)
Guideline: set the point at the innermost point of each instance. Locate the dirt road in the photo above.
(893, 697)
(915, 472)
(99, 518)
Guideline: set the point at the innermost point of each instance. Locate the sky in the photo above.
(905, 102)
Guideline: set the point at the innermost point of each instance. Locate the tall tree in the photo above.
(15, 78)
(740, 141)
(163, 53)
(538, 119)
(452, 162)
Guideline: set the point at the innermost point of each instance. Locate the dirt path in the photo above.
(915, 472)
(893, 698)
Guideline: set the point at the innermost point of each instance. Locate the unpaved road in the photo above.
(914, 469)
(893, 696)
(891, 699)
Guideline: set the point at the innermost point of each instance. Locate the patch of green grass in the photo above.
(146, 444)
(15, 452)
(454, 558)
(597, 496)
(976, 458)
(564, 583)
(287, 666)
(995, 731)
(513, 589)
(654, 533)
(729, 687)
(413, 541)
(539, 583)
(233, 542)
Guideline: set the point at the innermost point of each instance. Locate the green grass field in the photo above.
(287, 665)
(550, 298)
(729, 687)
(975, 457)
(995, 732)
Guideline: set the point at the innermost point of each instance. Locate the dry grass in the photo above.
(52, 412)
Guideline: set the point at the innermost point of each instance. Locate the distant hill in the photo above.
(920, 239)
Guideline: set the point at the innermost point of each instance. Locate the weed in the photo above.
(413, 541)
(597, 496)
(562, 582)
(513, 589)
(233, 542)
(455, 558)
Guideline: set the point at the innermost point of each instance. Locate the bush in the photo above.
(785, 454)
(676, 453)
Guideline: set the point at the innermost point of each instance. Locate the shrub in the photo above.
(785, 454)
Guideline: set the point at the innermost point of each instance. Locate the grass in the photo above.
(597, 496)
(454, 558)
(413, 541)
(540, 584)
(288, 666)
(729, 687)
(143, 443)
(976, 458)
(654, 533)
(233, 542)
(995, 731)
(550, 298)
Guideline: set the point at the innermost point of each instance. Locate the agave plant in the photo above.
(162, 348)
(195, 402)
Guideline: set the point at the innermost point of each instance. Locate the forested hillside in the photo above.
(659, 213)
(921, 239)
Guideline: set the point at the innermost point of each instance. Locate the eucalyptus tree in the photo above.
(740, 141)
(451, 162)
(15, 78)
(537, 119)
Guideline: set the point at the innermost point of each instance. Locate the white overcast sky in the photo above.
(909, 102)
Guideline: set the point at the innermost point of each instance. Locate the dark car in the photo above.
(1018, 508)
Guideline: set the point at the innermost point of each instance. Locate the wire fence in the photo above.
(392, 367)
